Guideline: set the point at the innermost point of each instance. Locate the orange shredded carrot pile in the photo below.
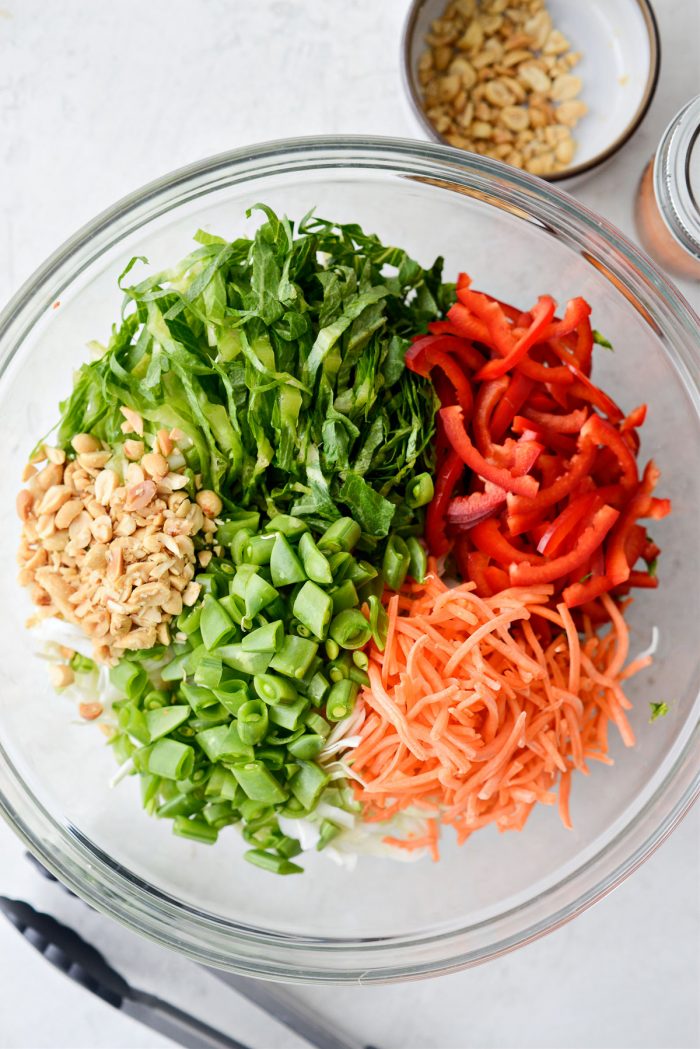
(479, 708)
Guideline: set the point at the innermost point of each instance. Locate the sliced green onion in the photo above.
(285, 566)
(315, 563)
(350, 629)
(170, 759)
(313, 608)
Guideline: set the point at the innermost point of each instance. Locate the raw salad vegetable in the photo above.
(242, 543)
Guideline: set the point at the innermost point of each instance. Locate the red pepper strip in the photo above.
(447, 477)
(570, 423)
(659, 508)
(541, 400)
(559, 442)
(477, 563)
(546, 374)
(465, 511)
(644, 580)
(601, 432)
(651, 551)
(542, 314)
(450, 368)
(467, 355)
(635, 419)
(500, 332)
(635, 542)
(577, 311)
(584, 346)
(490, 540)
(579, 593)
(524, 574)
(614, 495)
(461, 322)
(519, 389)
(471, 457)
(519, 523)
(586, 391)
(497, 579)
(579, 468)
(463, 281)
(562, 526)
(487, 399)
(616, 565)
(416, 354)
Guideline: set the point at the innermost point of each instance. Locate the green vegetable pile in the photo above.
(228, 728)
(281, 358)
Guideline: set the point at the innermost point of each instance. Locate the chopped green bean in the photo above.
(317, 724)
(209, 670)
(223, 784)
(266, 638)
(258, 549)
(195, 830)
(361, 572)
(313, 607)
(419, 490)
(285, 566)
(274, 690)
(397, 560)
(288, 715)
(216, 624)
(378, 621)
(341, 699)
(236, 657)
(132, 721)
(163, 720)
(307, 746)
(294, 657)
(419, 559)
(291, 527)
(224, 743)
(269, 862)
(179, 805)
(318, 688)
(258, 595)
(328, 831)
(249, 519)
(350, 629)
(344, 596)
(258, 783)
(82, 664)
(343, 534)
(129, 678)
(239, 544)
(315, 563)
(239, 583)
(232, 695)
(252, 721)
(170, 759)
(308, 783)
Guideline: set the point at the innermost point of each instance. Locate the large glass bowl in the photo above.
(518, 237)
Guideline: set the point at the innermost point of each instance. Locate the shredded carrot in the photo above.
(479, 708)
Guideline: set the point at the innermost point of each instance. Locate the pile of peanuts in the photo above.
(112, 549)
(496, 80)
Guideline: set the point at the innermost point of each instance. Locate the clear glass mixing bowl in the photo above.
(518, 237)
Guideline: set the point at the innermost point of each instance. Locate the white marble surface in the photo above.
(96, 99)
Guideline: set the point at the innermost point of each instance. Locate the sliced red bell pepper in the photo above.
(496, 578)
(585, 390)
(601, 432)
(461, 322)
(658, 508)
(529, 574)
(579, 593)
(578, 468)
(640, 505)
(491, 314)
(563, 525)
(635, 419)
(576, 312)
(517, 392)
(448, 475)
(487, 399)
(541, 316)
(477, 563)
(462, 549)
(465, 511)
(643, 580)
(569, 423)
(635, 542)
(488, 537)
(471, 457)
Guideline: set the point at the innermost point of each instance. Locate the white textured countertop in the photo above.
(96, 99)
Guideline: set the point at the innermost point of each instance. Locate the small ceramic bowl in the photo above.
(621, 55)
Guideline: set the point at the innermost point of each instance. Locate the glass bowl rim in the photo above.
(224, 943)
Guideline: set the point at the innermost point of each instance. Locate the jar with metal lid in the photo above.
(668, 201)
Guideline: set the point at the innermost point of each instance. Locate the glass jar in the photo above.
(668, 200)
